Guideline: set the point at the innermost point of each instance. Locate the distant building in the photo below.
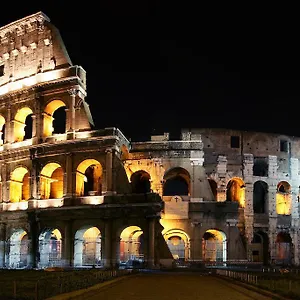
(72, 196)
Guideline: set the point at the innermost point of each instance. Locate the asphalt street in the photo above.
(174, 286)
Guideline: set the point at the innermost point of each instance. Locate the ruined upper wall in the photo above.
(29, 46)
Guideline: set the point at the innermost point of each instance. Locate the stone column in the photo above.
(33, 244)
(69, 177)
(33, 126)
(151, 243)
(107, 259)
(199, 182)
(109, 171)
(71, 114)
(2, 244)
(8, 124)
(196, 242)
(68, 244)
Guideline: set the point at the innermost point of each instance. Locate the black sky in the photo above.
(154, 67)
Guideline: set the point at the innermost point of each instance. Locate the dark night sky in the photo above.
(158, 67)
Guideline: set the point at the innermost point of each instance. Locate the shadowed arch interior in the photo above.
(140, 182)
(236, 191)
(260, 197)
(176, 182)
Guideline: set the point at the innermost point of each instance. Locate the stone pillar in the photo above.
(69, 177)
(68, 244)
(33, 251)
(71, 114)
(272, 238)
(199, 183)
(107, 259)
(272, 200)
(296, 244)
(109, 171)
(151, 243)
(2, 244)
(33, 126)
(8, 124)
(196, 242)
(221, 171)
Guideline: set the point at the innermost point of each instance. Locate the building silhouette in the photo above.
(72, 196)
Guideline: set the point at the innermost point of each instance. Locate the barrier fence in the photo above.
(282, 281)
(55, 283)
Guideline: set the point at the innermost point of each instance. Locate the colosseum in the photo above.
(75, 196)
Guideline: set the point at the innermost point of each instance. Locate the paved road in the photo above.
(174, 286)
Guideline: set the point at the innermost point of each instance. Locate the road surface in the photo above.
(174, 286)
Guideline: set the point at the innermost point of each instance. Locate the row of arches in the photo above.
(88, 244)
(51, 181)
(54, 122)
(176, 182)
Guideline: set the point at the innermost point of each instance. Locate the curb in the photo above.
(88, 292)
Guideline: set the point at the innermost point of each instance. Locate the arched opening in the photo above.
(18, 250)
(140, 182)
(2, 129)
(23, 124)
(214, 246)
(235, 191)
(283, 248)
(59, 120)
(131, 247)
(50, 243)
(260, 197)
(283, 198)
(214, 188)
(176, 182)
(50, 115)
(51, 181)
(87, 248)
(260, 247)
(89, 178)
(179, 244)
(19, 185)
(260, 167)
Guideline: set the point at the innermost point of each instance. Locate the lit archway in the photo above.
(176, 182)
(283, 248)
(260, 197)
(140, 182)
(283, 198)
(19, 185)
(18, 249)
(131, 246)
(87, 247)
(51, 127)
(23, 124)
(214, 246)
(2, 129)
(50, 248)
(235, 191)
(51, 181)
(89, 178)
(179, 244)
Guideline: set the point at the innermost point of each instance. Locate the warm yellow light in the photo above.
(19, 185)
(81, 177)
(57, 234)
(51, 181)
(128, 232)
(19, 123)
(218, 235)
(48, 113)
(283, 204)
(92, 232)
(237, 191)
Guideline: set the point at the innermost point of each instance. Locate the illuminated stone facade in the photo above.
(72, 196)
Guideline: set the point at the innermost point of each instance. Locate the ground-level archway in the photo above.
(179, 244)
(260, 247)
(18, 250)
(87, 247)
(131, 251)
(214, 246)
(50, 248)
(283, 248)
